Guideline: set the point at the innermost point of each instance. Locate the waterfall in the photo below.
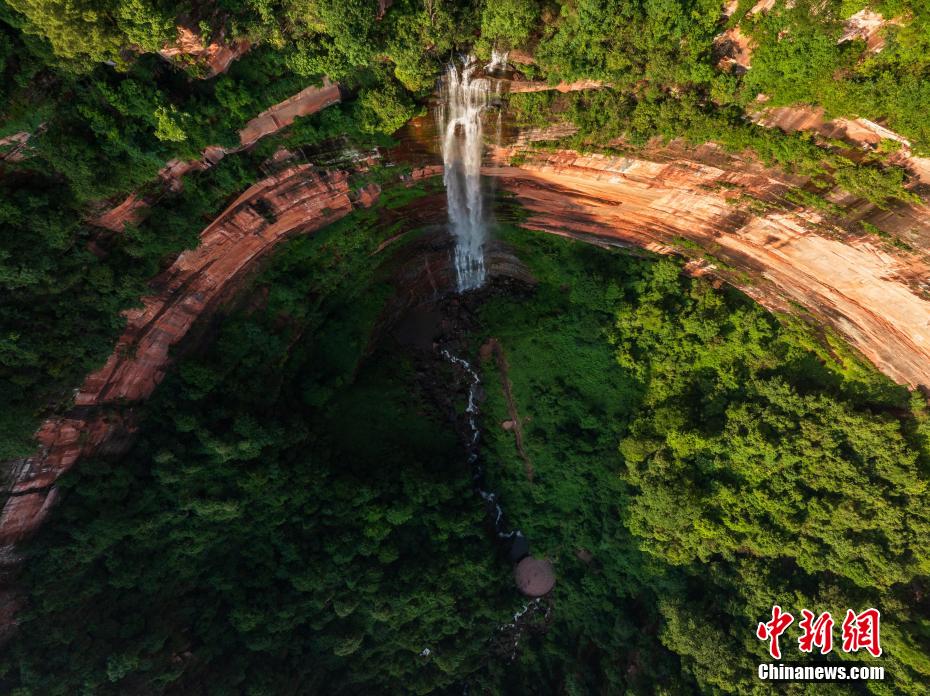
(498, 60)
(463, 100)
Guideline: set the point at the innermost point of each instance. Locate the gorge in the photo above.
(460, 348)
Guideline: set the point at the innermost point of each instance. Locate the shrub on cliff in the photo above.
(383, 109)
(82, 30)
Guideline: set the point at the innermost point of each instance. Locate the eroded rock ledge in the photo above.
(870, 293)
(298, 200)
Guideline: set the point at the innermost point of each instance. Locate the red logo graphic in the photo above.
(861, 631)
(773, 629)
(817, 633)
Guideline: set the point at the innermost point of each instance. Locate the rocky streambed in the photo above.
(438, 331)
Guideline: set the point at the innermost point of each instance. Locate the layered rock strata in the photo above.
(522, 86)
(298, 200)
(306, 102)
(870, 293)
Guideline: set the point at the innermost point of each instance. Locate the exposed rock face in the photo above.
(868, 26)
(763, 6)
(216, 56)
(554, 132)
(515, 55)
(517, 86)
(307, 101)
(858, 131)
(851, 282)
(734, 50)
(13, 147)
(872, 293)
(296, 200)
(129, 212)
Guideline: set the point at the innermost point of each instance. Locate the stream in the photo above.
(512, 540)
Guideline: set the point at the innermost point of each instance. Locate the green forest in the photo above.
(296, 514)
(253, 542)
(755, 458)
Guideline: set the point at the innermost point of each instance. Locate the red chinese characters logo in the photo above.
(816, 633)
(860, 631)
(771, 630)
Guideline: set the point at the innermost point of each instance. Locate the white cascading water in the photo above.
(492, 503)
(459, 119)
(498, 60)
(464, 99)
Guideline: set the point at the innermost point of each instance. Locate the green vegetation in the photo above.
(61, 301)
(100, 131)
(800, 61)
(660, 65)
(508, 24)
(296, 515)
(695, 461)
(66, 283)
(106, 113)
(644, 49)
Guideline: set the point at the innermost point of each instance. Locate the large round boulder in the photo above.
(534, 576)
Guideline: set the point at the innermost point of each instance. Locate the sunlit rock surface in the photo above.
(215, 56)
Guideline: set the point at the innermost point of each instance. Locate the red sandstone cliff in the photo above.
(307, 101)
(297, 200)
(214, 56)
(864, 289)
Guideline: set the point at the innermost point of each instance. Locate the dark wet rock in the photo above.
(520, 548)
